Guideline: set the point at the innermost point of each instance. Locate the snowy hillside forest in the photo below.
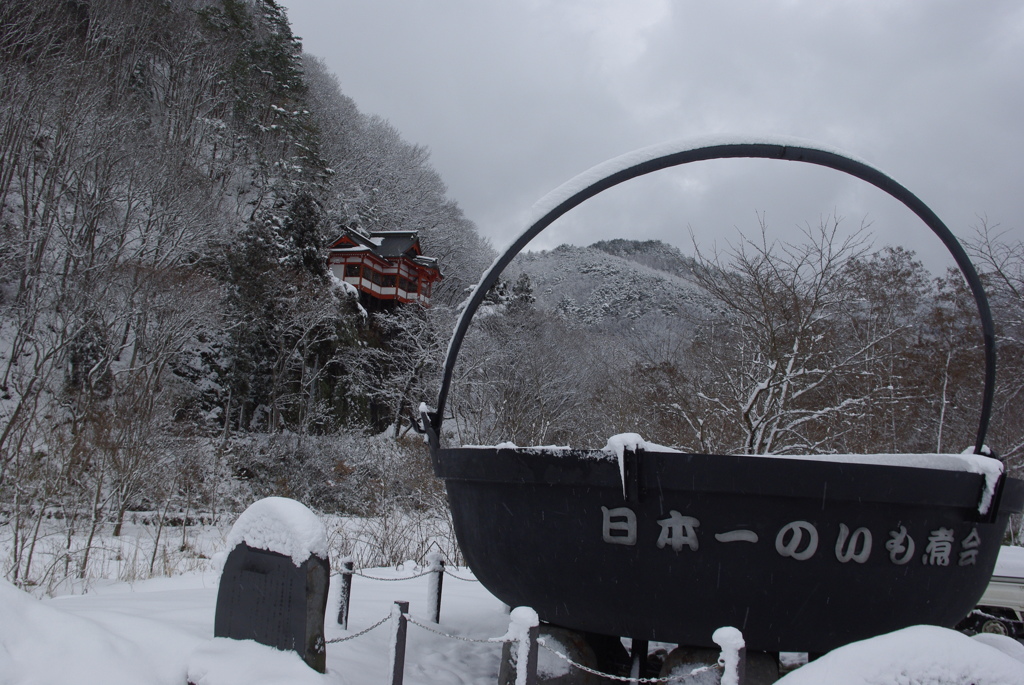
(172, 346)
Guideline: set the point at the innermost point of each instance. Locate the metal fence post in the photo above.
(345, 594)
(434, 583)
(398, 632)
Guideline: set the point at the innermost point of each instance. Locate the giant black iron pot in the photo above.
(799, 554)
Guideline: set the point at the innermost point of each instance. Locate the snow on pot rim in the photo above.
(965, 462)
(971, 483)
(800, 554)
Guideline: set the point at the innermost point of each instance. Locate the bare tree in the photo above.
(778, 355)
(1001, 260)
(523, 378)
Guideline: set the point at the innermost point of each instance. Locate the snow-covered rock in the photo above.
(281, 525)
(919, 655)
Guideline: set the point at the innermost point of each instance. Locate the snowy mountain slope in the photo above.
(651, 253)
(618, 279)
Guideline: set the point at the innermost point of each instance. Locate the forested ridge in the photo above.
(170, 175)
(172, 345)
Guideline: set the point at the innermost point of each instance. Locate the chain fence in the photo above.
(678, 678)
(362, 574)
(440, 569)
(465, 580)
(362, 632)
(386, 580)
(629, 679)
(435, 631)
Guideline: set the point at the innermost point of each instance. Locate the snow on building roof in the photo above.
(397, 244)
(384, 244)
(429, 262)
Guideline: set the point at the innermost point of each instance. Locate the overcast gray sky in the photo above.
(515, 97)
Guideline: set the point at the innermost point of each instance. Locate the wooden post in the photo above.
(434, 583)
(638, 653)
(398, 633)
(345, 593)
(519, 654)
(741, 666)
(531, 656)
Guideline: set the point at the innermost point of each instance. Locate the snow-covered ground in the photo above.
(160, 631)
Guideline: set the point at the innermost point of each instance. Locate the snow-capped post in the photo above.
(435, 566)
(399, 628)
(523, 632)
(345, 593)
(526, 671)
(733, 659)
(273, 588)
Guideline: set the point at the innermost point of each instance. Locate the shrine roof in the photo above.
(385, 244)
(397, 243)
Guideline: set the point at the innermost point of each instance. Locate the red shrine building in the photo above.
(386, 267)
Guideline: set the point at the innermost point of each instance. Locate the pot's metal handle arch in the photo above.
(637, 164)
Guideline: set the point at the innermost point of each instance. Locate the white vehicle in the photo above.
(1001, 609)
